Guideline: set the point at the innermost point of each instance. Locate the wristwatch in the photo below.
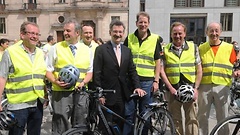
(156, 81)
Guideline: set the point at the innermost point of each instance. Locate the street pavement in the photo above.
(47, 123)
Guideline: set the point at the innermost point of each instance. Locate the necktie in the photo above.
(73, 47)
(118, 54)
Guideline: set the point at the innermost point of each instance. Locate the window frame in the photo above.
(2, 2)
(188, 3)
(142, 5)
(115, 0)
(225, 19)
(32, 19)
(3, 25)
(115, 17)
(237, 3)
(61, 1)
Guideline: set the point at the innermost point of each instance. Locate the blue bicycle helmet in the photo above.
(7, 120)
(69, 74)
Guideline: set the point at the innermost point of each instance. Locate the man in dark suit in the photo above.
(111, 72)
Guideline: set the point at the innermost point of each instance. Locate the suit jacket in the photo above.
(107, 73)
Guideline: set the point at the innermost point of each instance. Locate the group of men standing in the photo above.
(132, 67)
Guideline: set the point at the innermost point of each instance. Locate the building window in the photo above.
(115, 18)
(226, 39)
(142, 5)
(180, 3)
(226, 21)
(61, 1)
(32, 1)
(2, 2)
(115, 0)
(32, 19)
(232, 3)
(189, 3)
(195, 28)
(2, 26)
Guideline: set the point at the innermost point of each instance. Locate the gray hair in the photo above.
(76, 24)
(116, 23)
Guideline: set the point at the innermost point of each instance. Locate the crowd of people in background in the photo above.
(135, 64)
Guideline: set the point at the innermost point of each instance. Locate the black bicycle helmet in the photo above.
(185, 93)
(7, 120)
(69, 74)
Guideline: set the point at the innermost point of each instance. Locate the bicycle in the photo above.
(232, 122)
(160, 119)
(48, 86)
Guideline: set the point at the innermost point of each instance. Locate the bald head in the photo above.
(213, 32)
(214, 24)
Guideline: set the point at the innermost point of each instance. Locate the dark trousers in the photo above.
(32, 117)
(118, 108)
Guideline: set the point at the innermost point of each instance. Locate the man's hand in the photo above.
(1, 109)
(195, 94)
(236, 73)
(102, 100)
(60, 83)
(155, 86)
(140, 92)
(81, 85)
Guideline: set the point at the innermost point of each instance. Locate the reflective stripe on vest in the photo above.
(26, 83)
(218, 69)
(143, 56)
(65, 57)
(185, 64)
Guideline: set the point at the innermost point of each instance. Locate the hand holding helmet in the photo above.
(69, 75)
(185, 93)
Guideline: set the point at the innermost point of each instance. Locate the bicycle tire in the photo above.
(232, 123)
(79, 131)
(161, 122)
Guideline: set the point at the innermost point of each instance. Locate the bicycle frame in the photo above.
(97, 111)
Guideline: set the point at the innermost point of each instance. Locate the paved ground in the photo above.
(46, 125)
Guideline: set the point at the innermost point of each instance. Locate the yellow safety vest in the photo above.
(185, 64)
(65, 57)
(143, 56)
(26, 83)
(216, 69)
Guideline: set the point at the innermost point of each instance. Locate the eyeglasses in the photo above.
(33, 33)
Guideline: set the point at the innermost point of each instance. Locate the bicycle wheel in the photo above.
(79, 131)
(161, 123)
(230, 125)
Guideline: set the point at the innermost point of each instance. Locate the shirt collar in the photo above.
(115, 45)
(81, 41)
(76, 45)
(148, 34)
(26, 50)
(184, 46)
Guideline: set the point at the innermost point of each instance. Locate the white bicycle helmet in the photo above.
(7, 120)
(185, 93)
(69, 74)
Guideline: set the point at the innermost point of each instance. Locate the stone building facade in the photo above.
(50, 15)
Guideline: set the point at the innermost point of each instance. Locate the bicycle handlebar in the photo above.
(99, 92)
